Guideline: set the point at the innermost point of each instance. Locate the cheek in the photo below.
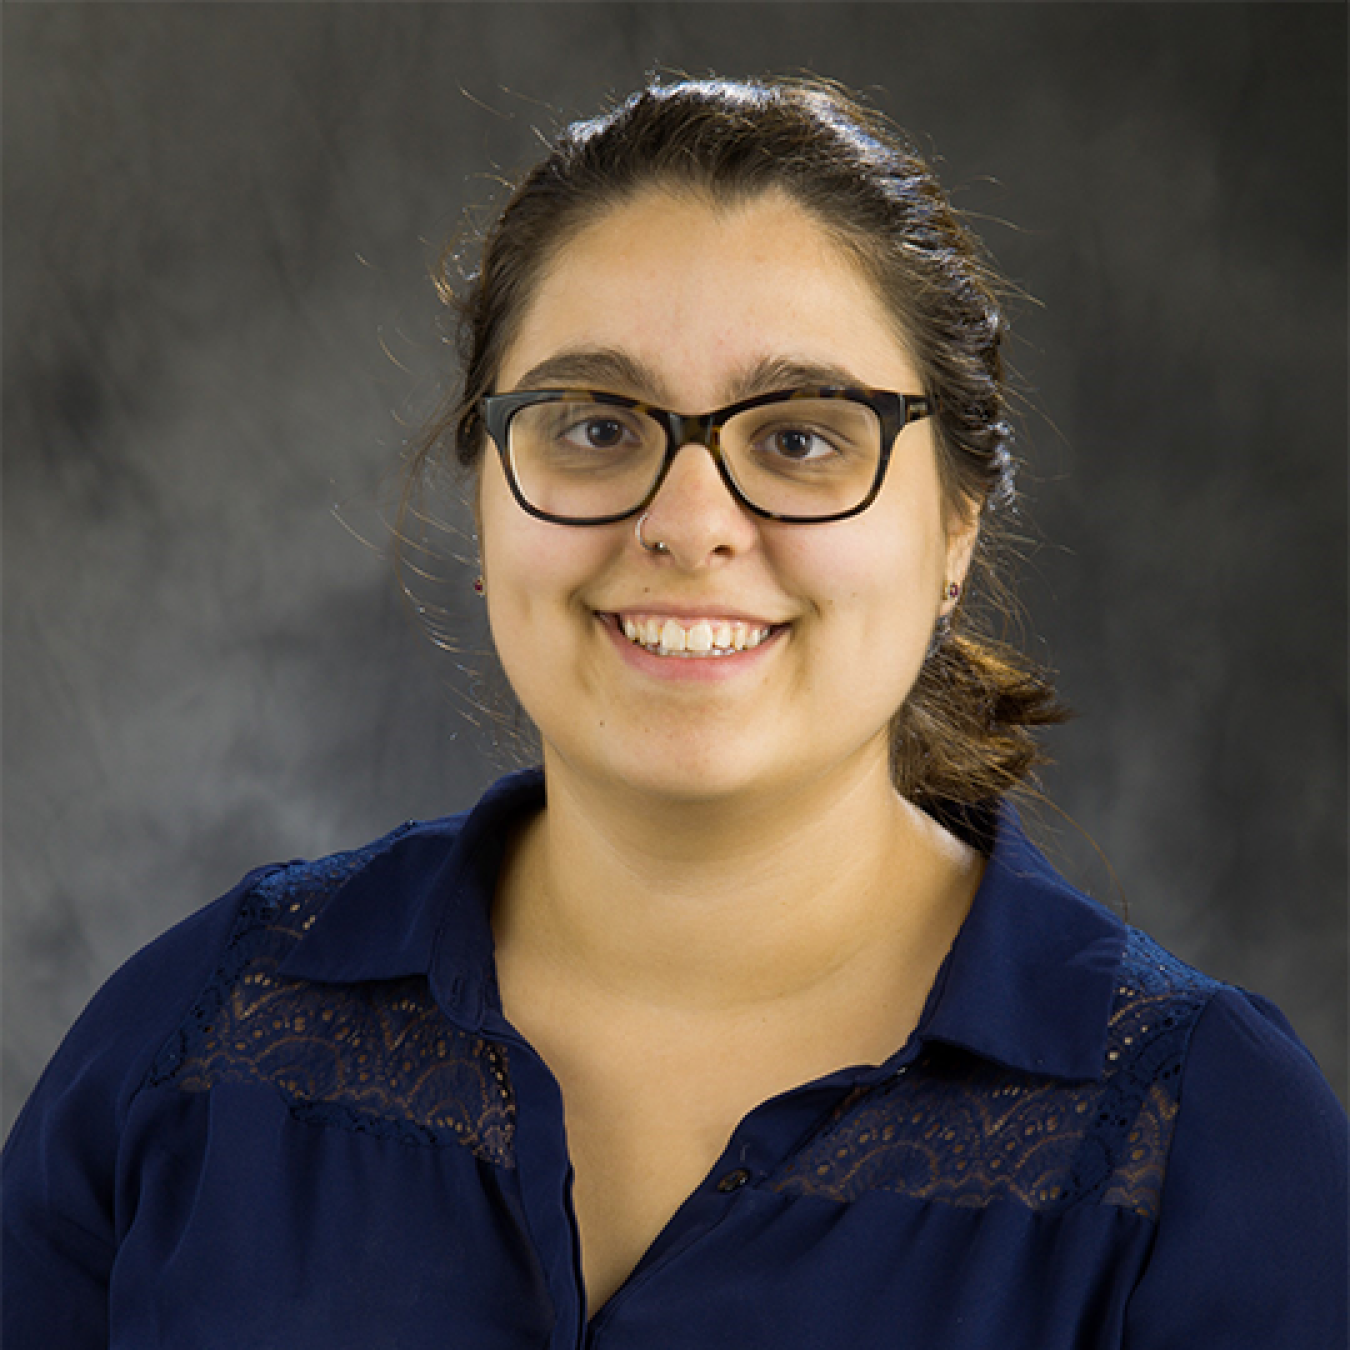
(535, 573)
(876, 592)
(889, 572)
(512, 543)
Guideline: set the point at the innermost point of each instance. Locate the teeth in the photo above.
(703, 637)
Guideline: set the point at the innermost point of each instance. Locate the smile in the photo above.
(666, 636)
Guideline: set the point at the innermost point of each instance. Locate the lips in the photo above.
(710, 636)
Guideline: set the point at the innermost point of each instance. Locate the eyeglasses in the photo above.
(580, 457)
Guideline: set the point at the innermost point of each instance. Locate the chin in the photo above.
(682, 772)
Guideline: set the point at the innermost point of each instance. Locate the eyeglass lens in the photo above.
(804, 457)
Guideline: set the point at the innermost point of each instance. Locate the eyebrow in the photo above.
(603, 367)
(770, 374)
(616, 372)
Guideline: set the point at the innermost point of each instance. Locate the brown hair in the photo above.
(964, 734)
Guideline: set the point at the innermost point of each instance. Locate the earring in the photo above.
(479, 586)
(953, 590)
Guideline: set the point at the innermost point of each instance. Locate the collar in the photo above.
(420, 904)
(1031, 978)
(1029, 981)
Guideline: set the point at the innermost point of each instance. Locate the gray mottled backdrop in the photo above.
(217, 328)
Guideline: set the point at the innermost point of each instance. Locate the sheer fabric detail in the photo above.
(377, 1057)
(954, 1128)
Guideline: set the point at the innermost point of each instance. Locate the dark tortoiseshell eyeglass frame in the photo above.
(894, 412)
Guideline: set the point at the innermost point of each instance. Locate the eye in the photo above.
(590, 428)
(598, 433)
(797, 445)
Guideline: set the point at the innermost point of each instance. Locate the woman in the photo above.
(754, 1019)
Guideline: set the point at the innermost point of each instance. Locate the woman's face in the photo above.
(669, 300)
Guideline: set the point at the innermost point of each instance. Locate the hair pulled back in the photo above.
(964, 734)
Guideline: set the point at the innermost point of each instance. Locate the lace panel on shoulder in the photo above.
(963, 1130)
(378, 1058)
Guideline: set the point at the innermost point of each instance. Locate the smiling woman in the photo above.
(752, 1018)
(701, 302)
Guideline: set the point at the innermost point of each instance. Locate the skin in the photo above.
(725, 897)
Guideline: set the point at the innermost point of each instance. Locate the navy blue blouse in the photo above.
(300, 1120)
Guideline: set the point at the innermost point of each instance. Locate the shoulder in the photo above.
(1158, 1103)
(1224, 1040)
(1252, 1097)
(1250, 1187)
(1165, 1031)
(130, 1024)
(73, 1150)
(367, 913)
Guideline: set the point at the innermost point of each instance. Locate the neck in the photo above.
(730, 905)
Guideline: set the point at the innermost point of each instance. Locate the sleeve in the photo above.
(1250, 1250)
(58, 1175)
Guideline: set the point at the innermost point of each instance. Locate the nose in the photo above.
(694, 514)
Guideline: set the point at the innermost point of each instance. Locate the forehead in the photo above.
(684, 301)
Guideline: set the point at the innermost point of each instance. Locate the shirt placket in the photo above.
(765, 1140)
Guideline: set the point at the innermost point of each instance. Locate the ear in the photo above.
(963, 533)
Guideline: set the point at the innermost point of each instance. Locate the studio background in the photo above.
(217, 328)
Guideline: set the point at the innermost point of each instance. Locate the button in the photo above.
(733, 1181)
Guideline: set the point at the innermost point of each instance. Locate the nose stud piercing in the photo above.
(658, 546)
